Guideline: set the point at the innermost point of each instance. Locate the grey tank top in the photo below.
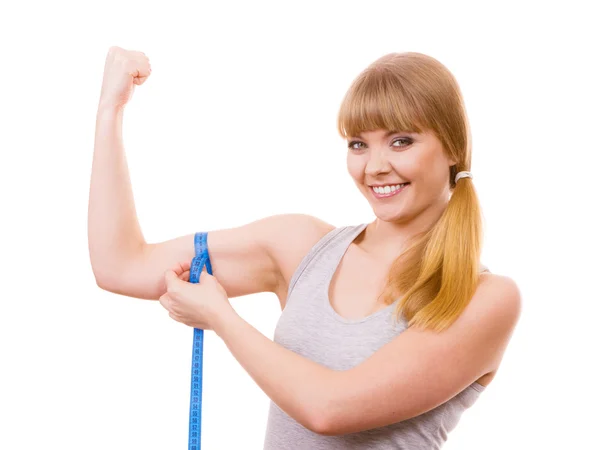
(309, 326)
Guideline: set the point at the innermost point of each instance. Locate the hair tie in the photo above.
(463, 174)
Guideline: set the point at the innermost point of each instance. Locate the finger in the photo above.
(205, 276)
(164, 301)
(169, 302)
(182, 267)
(171, 280)
(140, 80)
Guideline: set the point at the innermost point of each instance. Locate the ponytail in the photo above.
(436, 276)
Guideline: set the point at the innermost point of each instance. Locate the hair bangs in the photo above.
(378, 100)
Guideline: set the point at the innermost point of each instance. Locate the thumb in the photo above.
(206, 277)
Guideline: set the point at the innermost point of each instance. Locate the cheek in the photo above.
(408, 169)
(355, 168)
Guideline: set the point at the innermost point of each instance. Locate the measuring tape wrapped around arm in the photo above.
(195, 425)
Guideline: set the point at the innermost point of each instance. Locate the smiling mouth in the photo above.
(379, 192)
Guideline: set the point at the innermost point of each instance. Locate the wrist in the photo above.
(110, 108)
(225, 320)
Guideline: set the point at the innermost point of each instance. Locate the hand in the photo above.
(200, 305)
(122, 70)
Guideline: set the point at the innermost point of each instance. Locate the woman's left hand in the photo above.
(199, 305)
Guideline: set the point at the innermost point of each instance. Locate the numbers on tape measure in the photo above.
(195, 418)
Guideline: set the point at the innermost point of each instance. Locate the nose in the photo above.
(377, 163)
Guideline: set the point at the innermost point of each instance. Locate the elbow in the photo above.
(102, 282)
(327, 416)
(101, 272)
(104, 279)
(324, 426)
(319, 425)
(321, 422)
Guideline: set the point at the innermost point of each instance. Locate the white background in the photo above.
(237, 122)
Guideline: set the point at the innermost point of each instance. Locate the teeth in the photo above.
(387, 189)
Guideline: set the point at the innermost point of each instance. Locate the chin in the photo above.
(389, 217)
(389, 213)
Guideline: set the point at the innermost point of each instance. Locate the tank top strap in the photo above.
(323, 255)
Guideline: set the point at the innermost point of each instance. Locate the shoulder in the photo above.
(488, 322)
(498, 292)
(306, 222)
(495, 308)
(296, 230)
(499, 284)
(292, 237)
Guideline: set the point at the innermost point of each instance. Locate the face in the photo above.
(381, 158)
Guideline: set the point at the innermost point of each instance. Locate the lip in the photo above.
(391, 194)
(387, 184)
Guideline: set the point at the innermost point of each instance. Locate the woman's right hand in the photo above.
(122, 70)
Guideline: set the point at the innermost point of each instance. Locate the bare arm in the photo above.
(246, 259)
(256, 257)
(114, 233)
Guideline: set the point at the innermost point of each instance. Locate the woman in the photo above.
(389, 329)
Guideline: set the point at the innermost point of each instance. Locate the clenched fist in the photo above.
(122, 70)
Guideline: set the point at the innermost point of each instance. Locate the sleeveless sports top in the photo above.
(310, 326)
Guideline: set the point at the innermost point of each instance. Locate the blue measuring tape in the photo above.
(195, 425)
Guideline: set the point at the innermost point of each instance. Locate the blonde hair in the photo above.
(437, 274)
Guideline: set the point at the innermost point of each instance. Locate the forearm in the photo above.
(113, 227)
(296, 384)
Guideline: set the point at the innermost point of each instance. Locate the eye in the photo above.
(350, 145)
(406, 141)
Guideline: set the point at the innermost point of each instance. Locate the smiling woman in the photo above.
(410, 324)
(438, 219)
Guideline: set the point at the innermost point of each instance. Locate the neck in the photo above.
(386, 239)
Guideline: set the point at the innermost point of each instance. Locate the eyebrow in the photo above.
(388, 134)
